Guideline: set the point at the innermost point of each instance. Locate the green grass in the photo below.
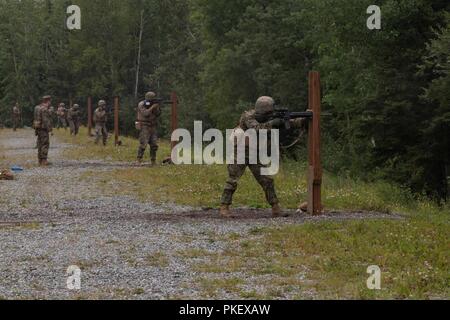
(413, 253)
(413, 256)
(157, 259)
(201, 186)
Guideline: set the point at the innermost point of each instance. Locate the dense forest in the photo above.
(388, 89)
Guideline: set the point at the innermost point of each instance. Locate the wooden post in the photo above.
(174, 117)
(315, 167)
(89, 110)
(116, 120)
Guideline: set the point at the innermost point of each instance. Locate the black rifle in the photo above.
(150, 103)
(286, 115)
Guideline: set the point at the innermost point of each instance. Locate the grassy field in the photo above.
(413, 253)
(202, 186)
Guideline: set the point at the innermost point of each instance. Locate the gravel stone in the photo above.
(51, 219)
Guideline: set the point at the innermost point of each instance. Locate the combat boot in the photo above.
(139, 162)
(153, 163)
(44, 163)
(225, 211)
(303, 207)
(277, 212)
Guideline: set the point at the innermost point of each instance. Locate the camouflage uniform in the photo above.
(73, 116)
(100, 119)
(15, 117)
(148, 114)
(52, 116)
(43, 126)
(61, 113)
(250, 120)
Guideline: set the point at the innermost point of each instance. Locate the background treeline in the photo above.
(389, 90)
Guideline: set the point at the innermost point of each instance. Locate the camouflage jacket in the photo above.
(42, 118)
(73, 114)
(248, 121)
(16, 111)
(148, 116)
(100, 116)
(61, 112)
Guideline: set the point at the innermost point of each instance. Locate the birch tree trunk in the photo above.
(138, 65)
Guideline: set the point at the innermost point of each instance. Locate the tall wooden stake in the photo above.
(116, 121)
(315, 167)
(89, 111)
(174, 117)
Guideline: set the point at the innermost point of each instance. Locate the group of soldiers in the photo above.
(65, 117)
(68, 117)
(148, 112)
(43, 124)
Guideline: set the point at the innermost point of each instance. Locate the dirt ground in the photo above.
(51, 219)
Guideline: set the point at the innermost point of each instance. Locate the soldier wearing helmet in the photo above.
(258, 119)
(148, 112)
(61, 114)
(73, 116)
(43, 127)
(100, 119)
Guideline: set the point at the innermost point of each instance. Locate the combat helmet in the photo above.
(150, 95)
(264, 105)
(102, 103)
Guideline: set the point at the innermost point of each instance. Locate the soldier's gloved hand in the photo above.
(276, 123)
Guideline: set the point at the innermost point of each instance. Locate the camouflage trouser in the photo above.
(148, 136)
(100, 131)
(43, 143)
(62, 123)
(74, 126)
(235, 172)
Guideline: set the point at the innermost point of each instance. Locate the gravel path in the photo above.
(51, 219)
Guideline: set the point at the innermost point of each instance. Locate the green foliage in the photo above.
(388, 89)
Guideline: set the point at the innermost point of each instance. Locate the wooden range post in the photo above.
(315, 166)
(174, 116)
(116, 120)
(89, 111)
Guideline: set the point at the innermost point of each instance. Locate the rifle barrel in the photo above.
(295, 115)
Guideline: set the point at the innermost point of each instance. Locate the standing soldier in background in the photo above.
(43, 126)
(257, 119)
(73, 116)
(100, 119)
(52, 117)
(147, 122)
(16, 116)
(61, 114)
